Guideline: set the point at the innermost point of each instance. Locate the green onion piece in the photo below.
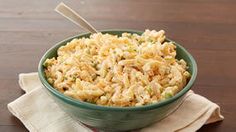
(45, 64)
(149, 89)
(168, 95)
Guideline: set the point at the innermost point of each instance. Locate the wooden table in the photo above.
(207, 28)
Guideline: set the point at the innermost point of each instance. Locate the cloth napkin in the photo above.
(39, 113)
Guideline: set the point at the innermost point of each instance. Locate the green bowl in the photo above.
(117, 118)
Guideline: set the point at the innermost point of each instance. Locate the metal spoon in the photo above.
(70, 14)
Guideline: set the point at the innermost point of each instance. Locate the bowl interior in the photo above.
(181, 54)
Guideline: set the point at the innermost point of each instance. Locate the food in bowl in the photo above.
(130, 70)
(116, 118)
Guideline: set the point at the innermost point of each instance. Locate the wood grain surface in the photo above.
(207, 28)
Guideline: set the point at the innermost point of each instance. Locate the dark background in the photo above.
(207, 28)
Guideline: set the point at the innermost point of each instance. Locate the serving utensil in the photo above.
(73, 16)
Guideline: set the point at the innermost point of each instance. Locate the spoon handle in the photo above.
(70, 14)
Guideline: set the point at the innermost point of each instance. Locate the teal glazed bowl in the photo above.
(117, 118)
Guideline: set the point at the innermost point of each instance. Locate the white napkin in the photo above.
(39, 113)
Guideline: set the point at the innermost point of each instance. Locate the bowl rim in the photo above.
(87, 105)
